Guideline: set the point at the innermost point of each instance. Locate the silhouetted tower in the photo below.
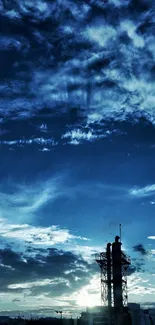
(109, 283)
(113, 264)
(117, 273)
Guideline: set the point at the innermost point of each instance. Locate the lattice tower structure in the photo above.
(113, 276)
(125, 262)
(104, 260)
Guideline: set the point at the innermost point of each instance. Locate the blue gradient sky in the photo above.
(77, 149)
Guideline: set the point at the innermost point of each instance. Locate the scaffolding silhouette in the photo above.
(113, 264)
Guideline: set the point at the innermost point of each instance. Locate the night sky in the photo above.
(77, 150)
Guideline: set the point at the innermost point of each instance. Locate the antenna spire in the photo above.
(120, 231)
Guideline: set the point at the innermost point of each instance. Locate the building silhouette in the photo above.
(113, 263)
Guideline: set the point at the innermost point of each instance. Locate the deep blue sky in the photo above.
(77, 149)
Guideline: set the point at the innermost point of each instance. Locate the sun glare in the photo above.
(87, 300)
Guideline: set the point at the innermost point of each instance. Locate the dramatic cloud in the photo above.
(50, 273)
(77, 130)
(78, 59)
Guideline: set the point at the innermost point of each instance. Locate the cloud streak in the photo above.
(35, 235)
(33, 141)
(145, 191)
(23, 201)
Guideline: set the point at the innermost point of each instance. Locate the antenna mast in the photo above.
(120, 231)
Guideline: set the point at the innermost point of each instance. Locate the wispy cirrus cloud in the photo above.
(145, 191)
(22, 201)
(21, 142)
(78, 136)
(74, 137)
(35, 235)
(41, 283)
(141, 285)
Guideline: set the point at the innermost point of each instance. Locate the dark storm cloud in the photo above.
(43, 271)
(90, 60)
(137, 265)
(140, 264)
(131, 269)
(140, 249)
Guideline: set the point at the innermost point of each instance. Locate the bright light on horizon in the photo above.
(89, 296)
(87, 300)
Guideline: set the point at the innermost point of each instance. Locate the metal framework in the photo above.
(101, 259)
(105, 262)
(125, 263)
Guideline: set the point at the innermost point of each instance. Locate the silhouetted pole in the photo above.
(117, 278)
(120, 229)
(117, 273)
(109, 273)
(109, 281)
